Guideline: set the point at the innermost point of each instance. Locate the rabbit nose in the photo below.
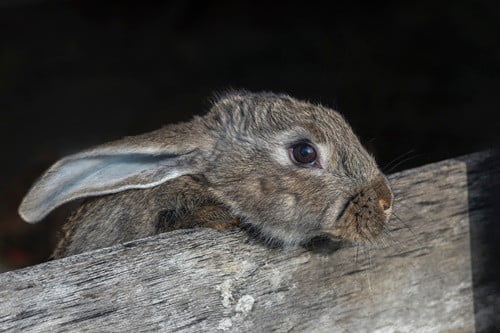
(384, 195)
(385, 205)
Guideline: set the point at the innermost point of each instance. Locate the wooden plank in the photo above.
(417, 278)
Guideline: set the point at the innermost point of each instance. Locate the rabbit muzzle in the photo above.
(365, 214)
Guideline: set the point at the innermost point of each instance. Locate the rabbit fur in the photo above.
(229, 166)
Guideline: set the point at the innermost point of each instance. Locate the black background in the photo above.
(418, 79)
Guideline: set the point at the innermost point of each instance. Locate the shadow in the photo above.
(319, 244)
(483, 183)
(325, 245)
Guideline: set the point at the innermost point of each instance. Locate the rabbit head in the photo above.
(288, 168)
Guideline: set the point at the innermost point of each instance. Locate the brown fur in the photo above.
(227, 167)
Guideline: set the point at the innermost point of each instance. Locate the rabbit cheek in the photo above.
(267, 186)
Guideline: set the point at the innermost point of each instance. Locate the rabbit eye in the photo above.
(303, 154)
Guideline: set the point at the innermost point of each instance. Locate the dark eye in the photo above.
(303, 154)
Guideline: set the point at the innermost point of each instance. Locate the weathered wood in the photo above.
(417, 278)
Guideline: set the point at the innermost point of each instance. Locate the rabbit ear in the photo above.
(132, 163)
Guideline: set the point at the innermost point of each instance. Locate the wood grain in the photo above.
(417, 278)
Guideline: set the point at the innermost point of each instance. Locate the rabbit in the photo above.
(289, 169)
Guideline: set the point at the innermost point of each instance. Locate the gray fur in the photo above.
(235, 157)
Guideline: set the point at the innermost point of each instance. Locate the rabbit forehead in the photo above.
(266, 114)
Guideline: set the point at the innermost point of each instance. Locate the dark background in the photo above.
(415, 79)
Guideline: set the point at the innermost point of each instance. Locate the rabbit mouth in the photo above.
(363, 217)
